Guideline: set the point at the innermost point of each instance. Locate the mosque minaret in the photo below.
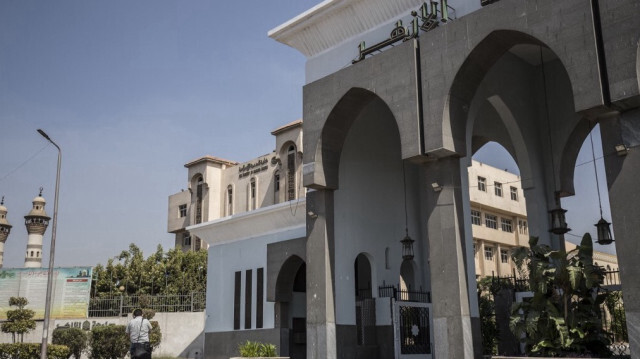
(36, 222)
(5, 228)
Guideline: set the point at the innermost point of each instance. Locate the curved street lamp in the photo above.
(47, 308)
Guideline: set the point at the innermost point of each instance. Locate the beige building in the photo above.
(499, 222)
(498, 218)
(219, 188)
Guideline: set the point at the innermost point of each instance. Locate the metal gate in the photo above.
(412, 330)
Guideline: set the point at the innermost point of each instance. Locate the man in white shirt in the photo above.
(138, 330)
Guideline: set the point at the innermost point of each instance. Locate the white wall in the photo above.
(227, 258)
(369, 207)
(342, 54)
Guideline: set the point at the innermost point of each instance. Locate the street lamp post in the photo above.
(47, 307)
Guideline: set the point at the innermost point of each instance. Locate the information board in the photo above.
(71, 289)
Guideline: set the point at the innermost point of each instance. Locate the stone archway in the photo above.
(291, 306)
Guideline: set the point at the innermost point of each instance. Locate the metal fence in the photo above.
(117, 306)
(404, 295)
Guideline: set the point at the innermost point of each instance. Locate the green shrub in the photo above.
(155, 336)
(109, 342)
(251, 349)
(32, 351)
(74, 338)
(19, 321)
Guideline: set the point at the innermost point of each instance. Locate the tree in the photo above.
(19, 321)
(155, 336)
(74, 338)
(170, 272)
(564, 316)
(488, 325)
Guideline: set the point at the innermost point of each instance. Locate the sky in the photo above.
(131, 91)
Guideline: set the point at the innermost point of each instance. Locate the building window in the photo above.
(488, 253)
(252, 194)
(497, 187)
(276, 187)
(291, 173)
(475, 250)
(522, 226)
(507, 225)
(229, 200)
(491, 221)
(504, 256)
(182, 210)
(514, 194)
(186, 239)
(482, 184)
(199, 196)
(475, 217)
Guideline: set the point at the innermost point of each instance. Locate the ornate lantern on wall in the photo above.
(558, 221)
(603, 229)
(407, 247)
(407, 242)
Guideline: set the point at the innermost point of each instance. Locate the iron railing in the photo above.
(117, 306)
(404, 295)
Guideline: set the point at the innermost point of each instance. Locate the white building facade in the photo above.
(219, 188)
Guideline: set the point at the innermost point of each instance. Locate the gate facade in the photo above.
(412, 330)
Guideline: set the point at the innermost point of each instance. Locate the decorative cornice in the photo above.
(209, 158)
(334, 21)
(289, 125)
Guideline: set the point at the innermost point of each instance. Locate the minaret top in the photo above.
(3, 213)
(38, 207)
(37, 219)
(5, 227)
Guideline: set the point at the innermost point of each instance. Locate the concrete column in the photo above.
(483, 270)
(498, 259)
(321, 318)
(456, 333)
(622, 180)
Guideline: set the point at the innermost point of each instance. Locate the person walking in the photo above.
(138, 331)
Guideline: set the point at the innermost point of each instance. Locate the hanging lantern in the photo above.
(407, 247)
(558, 221)
(604, 232)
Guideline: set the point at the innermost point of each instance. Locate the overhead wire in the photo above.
(23, 163)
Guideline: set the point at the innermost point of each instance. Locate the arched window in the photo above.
(253, 195)
(229, 200)
(31, 253)
(199, 196)
(276, 187)
(291, 173)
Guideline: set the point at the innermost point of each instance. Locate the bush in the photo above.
(32, 351)
(19, 321)
(109, 342)
(256, 349)
(74, 338)
(155, 336)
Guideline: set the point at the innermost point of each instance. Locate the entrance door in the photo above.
(412, 330)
